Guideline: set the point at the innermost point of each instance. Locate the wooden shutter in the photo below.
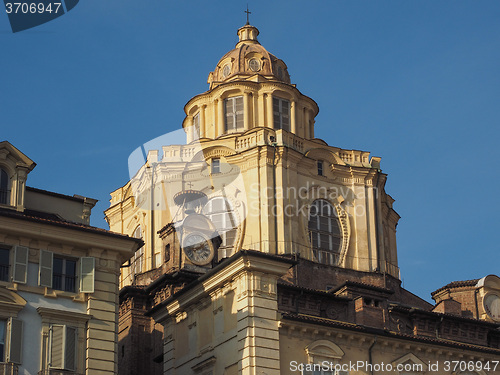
(45, 269)
(87, 275)
(14, 340)
(70, 349)
(57, 346)
(20, 272)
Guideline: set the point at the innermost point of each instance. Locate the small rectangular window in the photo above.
(64, 274)
(215, 167)
(196, 126)
(233, 109)
(320, 168)
(4, 264)
(281, 114)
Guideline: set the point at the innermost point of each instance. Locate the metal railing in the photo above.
(8, 369)
(4, 273)
(4, 196)
(57, 372)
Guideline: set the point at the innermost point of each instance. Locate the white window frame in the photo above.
(231, 111)
(228, 219)
(215, 166)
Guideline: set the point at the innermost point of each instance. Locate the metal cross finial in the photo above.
(248, 14)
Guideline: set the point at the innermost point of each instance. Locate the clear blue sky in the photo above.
(415, 82)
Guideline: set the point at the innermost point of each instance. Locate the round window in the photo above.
(226, 70)
(254, 65)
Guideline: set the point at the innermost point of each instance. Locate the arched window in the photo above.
(324, 232)
(4, 187)
(137, 260)
(220, 212)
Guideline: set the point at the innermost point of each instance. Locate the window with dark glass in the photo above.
(281, 113)
(215, 166)
(320, 168)
(4, 187)
(324, 231)
(233, 109)
(64, 274)
(4, 264)
(220, 212)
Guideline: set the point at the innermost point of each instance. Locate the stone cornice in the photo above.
(242, 262)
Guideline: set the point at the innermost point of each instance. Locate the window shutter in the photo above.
(20, 272)
(15, 340)
(87, 274)
(45, 270)
(70, 349)
(57, 346)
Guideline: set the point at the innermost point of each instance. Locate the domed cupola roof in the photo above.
(248, 61)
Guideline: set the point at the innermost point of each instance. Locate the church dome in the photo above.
(249, 60)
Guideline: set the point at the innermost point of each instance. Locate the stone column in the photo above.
(261, 110)
(307, 128)
(246, 111)
(220, 118)
(190, 129)
(202, 121)
(269, 108)
(293, 115)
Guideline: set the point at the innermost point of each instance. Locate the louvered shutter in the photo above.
(45, 268)
(70, 349)
(14, 340)
(20, 272)
(87, 274)
(57, 346)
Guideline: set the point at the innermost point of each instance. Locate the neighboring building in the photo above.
(58, 279)
(265, 247)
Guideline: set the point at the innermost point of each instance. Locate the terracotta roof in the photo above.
(53, 219)
(457, 284)
(361, 285)
(383, 332)
(414, 310)
(54, 194)
(287, 285)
